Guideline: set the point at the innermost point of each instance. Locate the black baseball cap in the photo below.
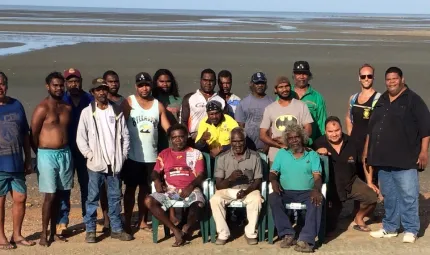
(143, 78)
(302, 66)
(258, 77)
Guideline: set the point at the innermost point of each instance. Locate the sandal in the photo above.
(361, 228)
(23, 242)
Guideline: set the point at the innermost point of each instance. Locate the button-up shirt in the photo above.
(249, 164)
(396, 129)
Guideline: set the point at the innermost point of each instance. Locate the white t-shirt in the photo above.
(106, 128)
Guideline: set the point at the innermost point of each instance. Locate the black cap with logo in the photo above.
(143, 78)
(302, 66)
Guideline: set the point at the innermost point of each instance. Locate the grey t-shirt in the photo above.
(249, 164)
(250, 111)
(277, 118)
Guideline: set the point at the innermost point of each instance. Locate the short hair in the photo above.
(111, 73)
(54, 75)
(332, 119)
(295, 128)
(207, 70)
(394, 69)
(174, 88)
(4, 77)
(364, 66)
(238, 130)
(225, 74)
(175, 127)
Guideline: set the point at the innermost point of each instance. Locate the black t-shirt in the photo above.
(343, 166)
(396, 129)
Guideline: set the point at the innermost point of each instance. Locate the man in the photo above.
(343, 156)
(49, 129)
(249, 112)
(279, 114)
(14, 140)
(225, 80)
(296, 178)
(397, 145)
(78, 99)
(313, 99)
(360, 109)
(193, 105)
(143, 113)
(112, 80)
(238, 176)
(103, 140)
(183, 171)
(213, 135)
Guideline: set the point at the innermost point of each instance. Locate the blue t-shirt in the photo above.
(250, 111)
(296, 174)
(13, 128)
(86, 99)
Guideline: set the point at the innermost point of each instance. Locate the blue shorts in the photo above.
(55, 170)
(12, 181)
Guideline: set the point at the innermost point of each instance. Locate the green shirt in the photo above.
(296, 174)
(316, 104)
(172, 105)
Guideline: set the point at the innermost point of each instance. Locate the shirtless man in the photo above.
(54, 159)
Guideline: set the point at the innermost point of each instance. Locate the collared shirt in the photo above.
(193, 109)
(343, 165)
(296, 173)
(249, 164)
(396, 129)
(84, 101)
(220, 134)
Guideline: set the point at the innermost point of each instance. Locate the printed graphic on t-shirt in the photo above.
(283, 121)
(9, 132)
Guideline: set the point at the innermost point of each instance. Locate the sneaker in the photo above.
(122, 236)
(220, 242)
(287, 241)
(409, 238)
(383, 234)
(304, 247)
(90, 237)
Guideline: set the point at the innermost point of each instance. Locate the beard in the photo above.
(58, 98)
(285, 97)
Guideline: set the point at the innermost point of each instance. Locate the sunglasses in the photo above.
(369, 76)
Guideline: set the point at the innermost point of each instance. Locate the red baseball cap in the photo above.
(72, 72)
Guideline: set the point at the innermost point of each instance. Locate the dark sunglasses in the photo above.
(369, 76)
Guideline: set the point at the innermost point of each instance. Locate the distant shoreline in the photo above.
(189, 12)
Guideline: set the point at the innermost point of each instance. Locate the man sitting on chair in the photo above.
(238, 176)
(183, 170)
(296, 178)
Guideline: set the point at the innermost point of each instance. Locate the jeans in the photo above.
(80, 164)
(282, 221)
(400, 189)
(96, 179)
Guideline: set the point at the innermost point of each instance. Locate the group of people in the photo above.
(156, 136)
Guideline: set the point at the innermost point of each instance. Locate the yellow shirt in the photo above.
(220, 135)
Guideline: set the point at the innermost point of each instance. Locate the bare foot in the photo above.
(20, 240)
(179, 238)
(56, 237)
(43, 241)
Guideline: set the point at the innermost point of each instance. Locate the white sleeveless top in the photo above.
(143, 128)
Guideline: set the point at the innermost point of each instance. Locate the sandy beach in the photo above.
(34, 43)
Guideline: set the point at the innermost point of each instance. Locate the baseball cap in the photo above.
(72, 72)
(302, 66)
(142, 78)
(97, 83)
(258, 77)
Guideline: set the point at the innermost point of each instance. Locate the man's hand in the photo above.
(373, 187)
(323, 151)
(27, 167)
(206, 135)
(186, 192)
(235, 175)
(276, 187)
(160, 187)
(316, 197)
(241, 194)
(422, 160)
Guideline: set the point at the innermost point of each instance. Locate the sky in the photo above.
(343, 6)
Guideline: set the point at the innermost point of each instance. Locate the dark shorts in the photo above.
(362, 193)
(137, 173)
